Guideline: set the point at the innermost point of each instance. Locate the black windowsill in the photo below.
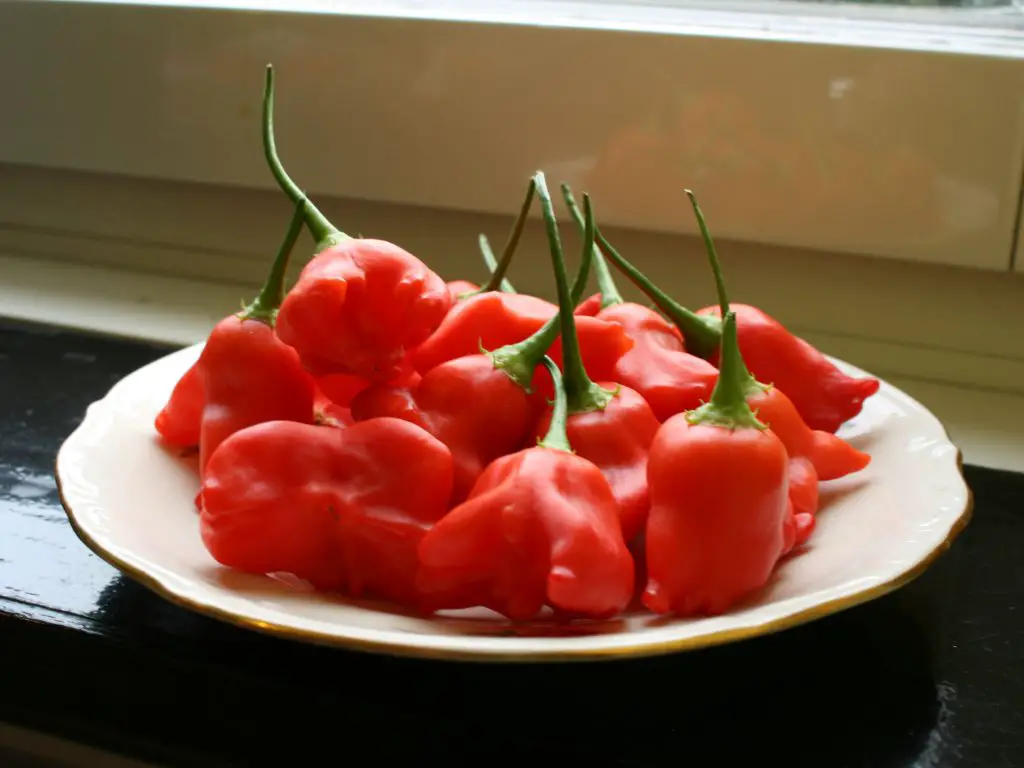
(932, 675)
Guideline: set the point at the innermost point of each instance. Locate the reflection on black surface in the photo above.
(852, 690)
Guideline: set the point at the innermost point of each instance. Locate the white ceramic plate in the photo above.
(131, 501)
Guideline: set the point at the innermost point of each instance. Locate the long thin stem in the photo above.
(610, 295)
(264, 307)
(498, 274)
(492, 264)
(709, 246)
(702, 333)
(519, 360)
(324, 233)
(582, 394)
(728, 405)
(557, 437)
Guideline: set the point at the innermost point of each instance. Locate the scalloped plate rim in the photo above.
(469, 647)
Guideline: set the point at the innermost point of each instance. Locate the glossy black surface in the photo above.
(932, 675)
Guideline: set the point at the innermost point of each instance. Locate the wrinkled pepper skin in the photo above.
(244, 375)
(489, 320)
(341, 388)
(831, 456)
(824, 396)
(658, 366)
(719, 505)
(616, 440)
(344, 509)
(589, 307)
(540, 528)
(180, 420)
(249, 377)
(813, 454)
(471, 406)
(720, 514)
(359, 306)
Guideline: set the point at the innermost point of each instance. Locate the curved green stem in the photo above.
(709, 246)
(610, 295)
(750, 384)
(581, 393)
(498, 274)
(728, 405)
(519, 360)
(702, 333)
(264, 307)
(324, 233)
(492, 265)
(557, 438)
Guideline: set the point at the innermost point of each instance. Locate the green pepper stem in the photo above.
(519, 360)
(751, 384)
(610, 295)
(492, 264)
(324, 233)
(728, 405)
(581, 393)
(557, 437)
(709, 246)
(264, 307)
(498, 273)
(702, 333)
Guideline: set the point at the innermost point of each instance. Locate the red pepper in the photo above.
(719, 500)
(825, 396)
(180, 420)
(249, 375)
(493, 319)
(328, 413)
(479, 405)
(813, 454)
(657, 366)
(244, 374)
(343, 509)
(341, 388)
(608, 424)
(539, 529)
(359, 304)
(590, 306)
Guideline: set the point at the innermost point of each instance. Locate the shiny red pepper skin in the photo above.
(814, 454)
(824, 396)
(720, 514)
(471, 406)
(245, 374)
(249, 377)
(540, 528)
(180, 420)
(658, 366)
(616, 440)
(341, 388)
(718, 505)
(489, 320)
(343, 509)
(492, 320)
(359, 306)
(481, 406)
(590, 306)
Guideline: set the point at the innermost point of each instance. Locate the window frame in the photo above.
(166, 118)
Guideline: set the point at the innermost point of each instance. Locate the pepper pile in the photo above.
(379, 432)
